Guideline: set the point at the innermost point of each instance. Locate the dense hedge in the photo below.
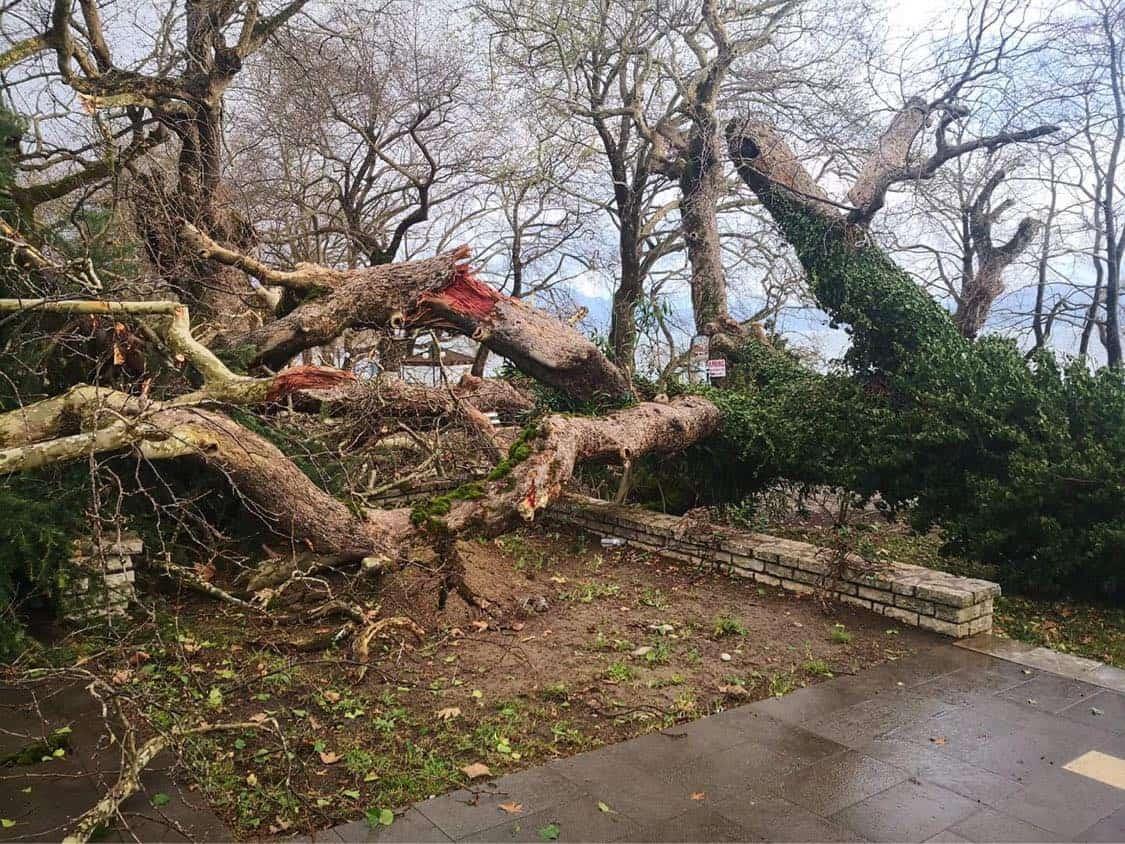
(1021, 462)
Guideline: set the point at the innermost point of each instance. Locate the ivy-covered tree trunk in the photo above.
(890, 317)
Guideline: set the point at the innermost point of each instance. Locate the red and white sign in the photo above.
(717, 368)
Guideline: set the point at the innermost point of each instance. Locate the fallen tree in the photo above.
(89, 420)
(436, 293)
(1021, 462)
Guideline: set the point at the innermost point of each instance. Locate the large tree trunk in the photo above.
(630, 288)
(701, 186)
(439, 292)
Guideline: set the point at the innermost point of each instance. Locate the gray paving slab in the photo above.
(834, 782)
(930, 764)
(1063, 806)
(909, 811)
(411, 825)
(776, 819)
(1107, 829)
(1103, 711)
(988, 825)
(877, 717)
(1050, 693)
(470, 810)
(577, 819)
(1064, 665)
(696, 824)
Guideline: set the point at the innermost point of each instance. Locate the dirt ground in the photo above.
(578, 646)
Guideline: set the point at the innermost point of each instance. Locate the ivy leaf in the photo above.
(160, 799)
(379, 817)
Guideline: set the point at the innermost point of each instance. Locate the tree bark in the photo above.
(982, 285)
(439, 292)
(701, 186)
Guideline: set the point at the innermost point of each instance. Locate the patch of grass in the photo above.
(590, 591)
(782, 683)
(556, 691)
(664, 682)
(727, 625)
(359, 761)
(1088, 630)
(839, 635)
(562, 732)
(654, 598)
(818, 667)
(660, 654)
(606, 644)
(619, 672)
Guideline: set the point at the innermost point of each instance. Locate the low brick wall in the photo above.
(920, 597)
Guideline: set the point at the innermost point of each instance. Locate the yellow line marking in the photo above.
(1099, 766)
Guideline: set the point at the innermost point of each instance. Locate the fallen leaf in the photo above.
(251, 780)
(379, 817)
(137, 657)
(477, 769)
(518, 626)
(604, 807)
(331, 696)
(449, 713)
(328, 757)
(699, 795)
(7, 823)
(643, 650)
(480, 625)
(205, 572)
(512, 808)
(258, 717)
(120, 678)
(734, 691)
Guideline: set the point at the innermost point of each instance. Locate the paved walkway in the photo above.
(45, 802)
(950, 745)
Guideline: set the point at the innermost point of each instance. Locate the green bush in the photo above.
(1020, 462)
(42, 513)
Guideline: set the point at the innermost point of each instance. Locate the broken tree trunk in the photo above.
(440, 292)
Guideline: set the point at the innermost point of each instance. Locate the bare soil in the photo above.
(579, 646)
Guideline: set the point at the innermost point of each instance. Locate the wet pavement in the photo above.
(983, 740)
(957, 743)
(43, 800)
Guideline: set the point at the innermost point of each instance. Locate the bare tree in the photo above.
(591, 62)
